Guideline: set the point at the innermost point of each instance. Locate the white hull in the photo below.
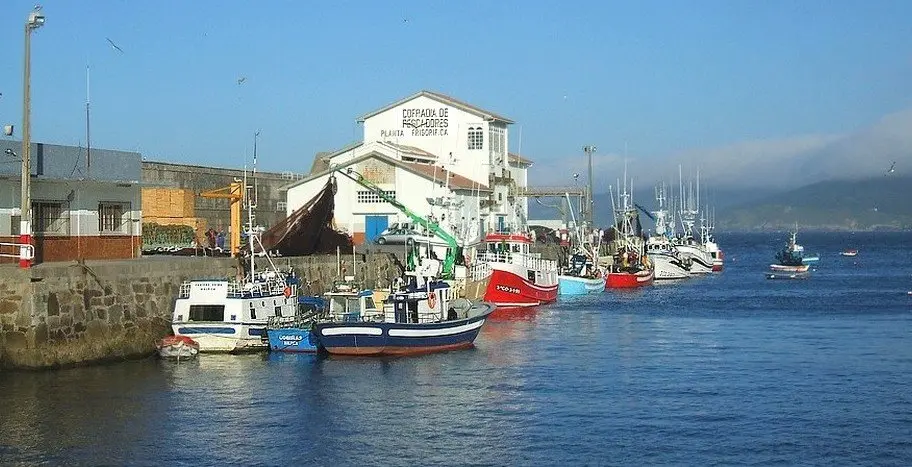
(177, 352)
(213, 338)
(667, 267)
(701, 261)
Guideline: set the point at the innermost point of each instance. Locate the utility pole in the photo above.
(589, 202)
(35, 21)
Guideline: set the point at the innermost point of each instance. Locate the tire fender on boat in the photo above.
(287, 292)
(432, 300)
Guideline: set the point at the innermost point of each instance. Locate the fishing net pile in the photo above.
(309, 229)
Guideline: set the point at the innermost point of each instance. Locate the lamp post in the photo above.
(589, 203)
(35, 21)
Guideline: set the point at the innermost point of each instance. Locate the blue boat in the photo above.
(419, 317)
(579, 277)
(294, 334)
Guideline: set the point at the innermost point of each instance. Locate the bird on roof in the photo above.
(114, 45)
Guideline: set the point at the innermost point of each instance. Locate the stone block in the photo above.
(16, 340)
(9, 307)
(53, 305)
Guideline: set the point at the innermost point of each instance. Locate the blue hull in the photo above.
(398, 338)
(573, 285)
(291, 340)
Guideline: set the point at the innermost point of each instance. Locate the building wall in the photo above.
(215, 212)
(410, 189)
(442, 130)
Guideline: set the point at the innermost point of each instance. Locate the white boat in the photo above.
(701, 260)
(668, 262)
(177, 348)
(230, 315)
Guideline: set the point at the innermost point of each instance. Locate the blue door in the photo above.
(374, 226)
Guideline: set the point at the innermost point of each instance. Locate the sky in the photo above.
(738, 90)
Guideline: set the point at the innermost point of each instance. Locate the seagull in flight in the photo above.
(241, 79)
(114, 45)
(892, 168)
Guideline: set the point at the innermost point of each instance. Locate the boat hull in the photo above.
(506, 288)
(292, 340)
(784, 268)
(629, 280)
(371, 339)
(667, 267)
(224, 337)
(177, 348)
(701, 261)
(574, 285)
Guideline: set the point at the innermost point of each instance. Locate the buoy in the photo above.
(287, 291)
(432, 299)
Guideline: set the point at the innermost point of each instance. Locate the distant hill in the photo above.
(883, 202)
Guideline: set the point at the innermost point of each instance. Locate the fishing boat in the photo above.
(668, 262)
(419, 316)
(518, 278)
(629, 265)
(580, 277)
(849, 252)
(177, 348)
(230, 315)
(294, 333)
(701, 260)
(790, 258)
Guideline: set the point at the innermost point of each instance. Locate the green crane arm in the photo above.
(454, 252)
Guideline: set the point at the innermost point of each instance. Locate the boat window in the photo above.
(354, 305)
(207, 312)
(369, 303)
(278, 311)
(515, 248)
(253, 313)
(337, 305)
(530, 274)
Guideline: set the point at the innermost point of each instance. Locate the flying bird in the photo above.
(37, 7)
(114, 45)
(892, 168)
(242, 79)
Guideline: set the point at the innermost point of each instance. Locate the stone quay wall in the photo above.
(67, 314)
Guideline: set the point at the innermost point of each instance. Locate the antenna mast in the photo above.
(88, 138)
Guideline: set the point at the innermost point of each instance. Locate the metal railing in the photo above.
(528, 261)
(267, 288)
(18, 246)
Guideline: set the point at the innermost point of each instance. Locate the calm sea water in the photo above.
(727, 369)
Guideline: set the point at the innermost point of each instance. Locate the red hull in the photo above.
(506, 289)
(626, 280)
(718, 261)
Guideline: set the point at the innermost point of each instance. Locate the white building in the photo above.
(425, 149)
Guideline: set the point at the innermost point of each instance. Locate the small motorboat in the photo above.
(849, 252)
(787, 275)
(177, 348)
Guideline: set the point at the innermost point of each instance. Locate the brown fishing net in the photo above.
(309, 230)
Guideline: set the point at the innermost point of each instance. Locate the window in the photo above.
(207, 312)
(281, 206)
(110, 217)
(496, 141)
(48, 218)
(369, 197)
(476, 137)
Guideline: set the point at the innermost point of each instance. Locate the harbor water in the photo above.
(731, 368)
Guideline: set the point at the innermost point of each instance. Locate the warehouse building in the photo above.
(439, 156)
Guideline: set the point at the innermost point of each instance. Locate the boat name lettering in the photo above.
(425, 122)
(504, 288)
(291, 340)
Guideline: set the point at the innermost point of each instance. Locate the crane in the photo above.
(454, 252)
(234, 192)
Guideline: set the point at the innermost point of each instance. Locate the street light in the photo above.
(35, 21)
(589, 203)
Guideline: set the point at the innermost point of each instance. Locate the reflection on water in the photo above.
(724, 369)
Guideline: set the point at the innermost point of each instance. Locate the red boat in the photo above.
(629, 280)
(518, 279)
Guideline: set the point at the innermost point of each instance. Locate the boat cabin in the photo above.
(348, 302)
(414, 299)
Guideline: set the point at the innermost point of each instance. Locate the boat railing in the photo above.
(423, 317)
(479, 271)
(519, 259)
(266, 288)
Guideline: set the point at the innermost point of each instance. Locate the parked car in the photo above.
(405, 234)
